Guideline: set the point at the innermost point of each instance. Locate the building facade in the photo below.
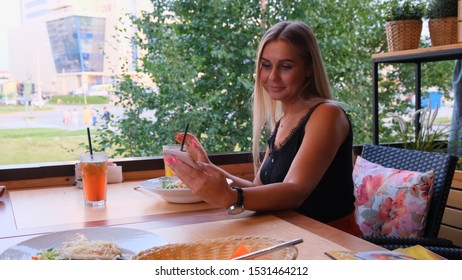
(70, 46)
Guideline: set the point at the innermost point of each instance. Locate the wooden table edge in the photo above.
(330, 233)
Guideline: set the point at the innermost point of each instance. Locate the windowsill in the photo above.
(32, 171)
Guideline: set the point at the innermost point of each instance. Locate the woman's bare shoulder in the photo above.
(330, 108)
(330, 116)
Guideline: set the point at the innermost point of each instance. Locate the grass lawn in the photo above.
(442, 120)
(21, 108)
(65, 100)
(32, 145)
(79, 100)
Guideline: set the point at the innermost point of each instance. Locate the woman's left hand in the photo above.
(207, 181)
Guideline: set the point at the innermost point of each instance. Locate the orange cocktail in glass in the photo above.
(168, 170)
(94, 178)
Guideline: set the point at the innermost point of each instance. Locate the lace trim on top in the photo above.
(302, 121)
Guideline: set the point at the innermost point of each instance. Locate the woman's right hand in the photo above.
(194, 147)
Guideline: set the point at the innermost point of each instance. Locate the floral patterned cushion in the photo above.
(391, 202)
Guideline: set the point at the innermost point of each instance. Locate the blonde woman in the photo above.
(307, 164)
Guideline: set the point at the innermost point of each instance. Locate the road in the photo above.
(53, 118)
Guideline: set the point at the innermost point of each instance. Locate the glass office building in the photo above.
(77, 44)
(70, 46)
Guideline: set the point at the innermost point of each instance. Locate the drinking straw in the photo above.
(184, 137)
(89, 142)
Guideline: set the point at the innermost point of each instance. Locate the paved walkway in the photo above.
(445, 111)
(32, 118)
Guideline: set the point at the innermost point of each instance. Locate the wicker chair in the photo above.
(444, 166)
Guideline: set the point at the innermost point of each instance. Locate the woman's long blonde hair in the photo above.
(267, 111)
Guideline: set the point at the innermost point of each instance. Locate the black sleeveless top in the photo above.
(333, 197)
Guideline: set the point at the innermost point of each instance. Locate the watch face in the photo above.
(235, 209)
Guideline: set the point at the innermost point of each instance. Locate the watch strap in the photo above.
(240, 195)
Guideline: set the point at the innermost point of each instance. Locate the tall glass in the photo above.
(168, 170)
(94, 177)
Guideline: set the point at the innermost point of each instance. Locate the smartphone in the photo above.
(183, 156)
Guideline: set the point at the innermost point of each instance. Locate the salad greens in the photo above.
(171, 184)
(48, 254)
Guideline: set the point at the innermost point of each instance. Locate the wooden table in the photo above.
(25, 213)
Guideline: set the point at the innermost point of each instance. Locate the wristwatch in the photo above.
(238, 207)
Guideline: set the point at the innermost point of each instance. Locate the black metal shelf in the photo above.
(417, 56)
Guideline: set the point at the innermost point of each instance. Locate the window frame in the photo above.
(67, 168)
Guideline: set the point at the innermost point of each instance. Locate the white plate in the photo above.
(131, 241)
(176, 195)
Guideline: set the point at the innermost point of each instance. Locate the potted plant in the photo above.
(430, 137)
(404, 24)
(442, 23)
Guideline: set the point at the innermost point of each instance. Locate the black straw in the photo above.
(184, 137)
(89, 142)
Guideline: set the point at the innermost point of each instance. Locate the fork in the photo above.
(269, 249)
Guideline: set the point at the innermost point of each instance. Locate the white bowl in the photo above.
(175, 195)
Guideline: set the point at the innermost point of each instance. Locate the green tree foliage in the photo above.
(200, 56)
